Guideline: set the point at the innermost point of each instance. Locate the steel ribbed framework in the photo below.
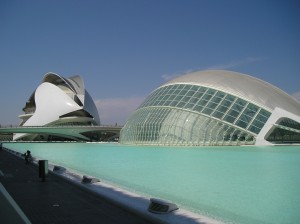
(207, 108)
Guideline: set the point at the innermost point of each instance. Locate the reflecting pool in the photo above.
(234, 184)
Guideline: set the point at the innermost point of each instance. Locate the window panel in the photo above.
(158, 91)
(173, 87)
(167, 102)
(193, 100)
(198, 108)
(226, 103)
(212, 105)
(198, 95)
(218, 114)
(180, 104)
(230, 98)
(206, 97)
(258, 124)
(172, 91)
(264, 113)
(165, 97)
(237, 107)
(222, 109)
(171, 97)
(251, 110)
(187, 87)
(241, 123)
(185, 99)
(160, 103)
(195, 88)
(229, 118)
(233, 113)
(203, 89)
(154, 102)
(189, 105)
(216, 99)
(220, 94)
(211, 91)
(207, 111)
(261, 118)
(241, 102)
(173, 103)
(177, 91)
(190, 93)
(246, 118)
(178, 98)
(163, 93)
(254, 129)
(183, 92)
(202, 102)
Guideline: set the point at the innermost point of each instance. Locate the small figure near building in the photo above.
(28, 156)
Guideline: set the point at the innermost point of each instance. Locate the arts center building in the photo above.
(214, 107)
(59, 102)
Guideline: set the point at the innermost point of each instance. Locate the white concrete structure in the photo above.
(215, 107)
(58, 101)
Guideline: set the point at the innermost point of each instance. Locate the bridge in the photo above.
(74, 132)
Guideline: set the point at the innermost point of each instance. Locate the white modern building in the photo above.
(58, 101)
(214, 107)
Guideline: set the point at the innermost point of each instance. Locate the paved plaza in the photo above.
(53, 201)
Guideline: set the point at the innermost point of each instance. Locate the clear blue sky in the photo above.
(126, 49)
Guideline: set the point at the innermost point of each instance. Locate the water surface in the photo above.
(233, 184)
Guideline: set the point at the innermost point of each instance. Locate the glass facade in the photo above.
(286, 131)
(185, 114)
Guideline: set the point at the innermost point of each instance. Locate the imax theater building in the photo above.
(214, 107)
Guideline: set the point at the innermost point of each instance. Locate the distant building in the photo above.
(214, 108)
(58, 101)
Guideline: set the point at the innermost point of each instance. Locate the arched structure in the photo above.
(214, 107)
(58, 101)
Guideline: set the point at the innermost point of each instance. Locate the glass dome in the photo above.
(184, 114)
(206, 108)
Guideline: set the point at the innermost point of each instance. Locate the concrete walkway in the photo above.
(25, 197)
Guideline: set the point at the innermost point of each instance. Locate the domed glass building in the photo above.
(214, 107)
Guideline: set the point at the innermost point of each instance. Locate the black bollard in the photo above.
(43, 169)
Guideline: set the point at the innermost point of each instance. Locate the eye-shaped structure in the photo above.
(58, 101)
(214, 108)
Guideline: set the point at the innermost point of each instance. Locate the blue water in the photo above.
(233, 184)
